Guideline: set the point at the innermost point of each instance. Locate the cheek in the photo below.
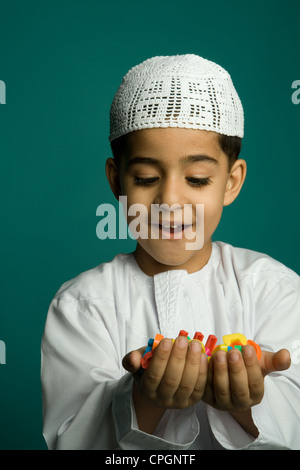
(213, 208)
(132, 194)
(137, 210)
(135, 194)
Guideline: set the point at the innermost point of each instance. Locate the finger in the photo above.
(272, 362)
(240, 395)
(200, 385)
(208, 396)
(221, 383)
(190, 376)
(132, 361)
(255, 377)
(173, 372)
(152, 376)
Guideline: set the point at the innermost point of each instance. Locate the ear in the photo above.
(235, 181)
(113, 177)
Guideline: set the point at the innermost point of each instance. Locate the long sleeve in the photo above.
(86, 393)
(97, 318)
(80, 371)
(275, 324)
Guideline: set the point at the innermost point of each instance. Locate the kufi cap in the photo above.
(184, 91)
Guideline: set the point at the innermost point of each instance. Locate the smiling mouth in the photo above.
(174, 228)
(169, 231)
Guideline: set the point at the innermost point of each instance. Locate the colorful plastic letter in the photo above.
(157, 340)
(221, 347)
(146, 359)
(256, 347)
(228, 339)
(211, 342)
(183, 333)
(199, 336)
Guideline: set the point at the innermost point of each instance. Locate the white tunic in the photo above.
(102, 314)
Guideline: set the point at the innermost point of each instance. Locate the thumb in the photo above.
(132, 361)
(272, 362)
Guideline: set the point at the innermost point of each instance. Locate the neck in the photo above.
(152, 266)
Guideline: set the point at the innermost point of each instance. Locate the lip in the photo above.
(172, 232)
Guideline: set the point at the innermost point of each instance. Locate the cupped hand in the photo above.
(236, 380)
(176, 376)
(179, 375)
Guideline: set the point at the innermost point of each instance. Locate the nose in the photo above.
(170, 192)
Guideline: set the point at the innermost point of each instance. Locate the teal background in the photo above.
(62, 61)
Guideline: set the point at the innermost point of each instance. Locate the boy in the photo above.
(176, 129)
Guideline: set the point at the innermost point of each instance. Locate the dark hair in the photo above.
(230, 145)
(118, 147)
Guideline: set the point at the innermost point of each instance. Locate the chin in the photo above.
(171, 257)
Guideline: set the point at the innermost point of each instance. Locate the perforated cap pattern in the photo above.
(177, 91)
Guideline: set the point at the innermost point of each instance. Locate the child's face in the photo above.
(158, 169)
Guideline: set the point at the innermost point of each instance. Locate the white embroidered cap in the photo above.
(177, 91)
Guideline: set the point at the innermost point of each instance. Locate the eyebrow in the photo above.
(184, 160)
